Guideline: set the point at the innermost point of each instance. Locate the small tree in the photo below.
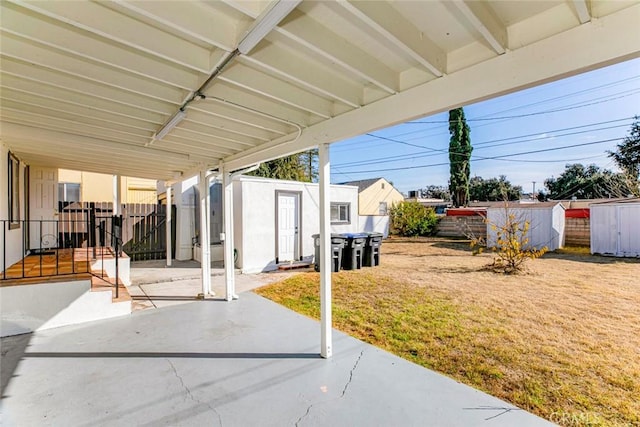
(511, 249)
(412, 219)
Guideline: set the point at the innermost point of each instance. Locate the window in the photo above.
(382, 208)
(340, 213)
(68, 192)
(14, 192)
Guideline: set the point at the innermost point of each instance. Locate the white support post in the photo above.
(117, 196)
(325, 252)
(205, 245)
(169, 223)
(229, 263)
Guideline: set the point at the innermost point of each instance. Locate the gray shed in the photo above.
(546, 223)
(615, 227)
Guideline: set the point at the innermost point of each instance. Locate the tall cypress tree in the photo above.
(459, 157)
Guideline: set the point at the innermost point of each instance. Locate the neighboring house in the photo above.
(274, 220)
(375, 197)
(79, 186)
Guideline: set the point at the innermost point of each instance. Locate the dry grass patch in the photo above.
(561, 340)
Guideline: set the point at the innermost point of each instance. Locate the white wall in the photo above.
(546, 224)
(184, 199)
(255, 218)
(615, 232)
(13, 238)
(254, 222)
(374, 224)
(29, 308)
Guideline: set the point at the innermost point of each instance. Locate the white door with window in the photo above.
(43, 207)
(287, 226)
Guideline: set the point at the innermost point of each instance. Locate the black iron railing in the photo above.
(65, 246)
(43, 249)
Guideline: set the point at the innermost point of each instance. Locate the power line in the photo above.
(413, 156)
(537, 113)
(490, 158)
(483, 145)
(598, 100)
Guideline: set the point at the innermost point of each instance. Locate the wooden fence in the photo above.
(462, 226)
(576, 230)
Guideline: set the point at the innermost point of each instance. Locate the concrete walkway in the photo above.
(245, 363)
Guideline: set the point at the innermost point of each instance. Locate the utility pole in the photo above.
(533, 195)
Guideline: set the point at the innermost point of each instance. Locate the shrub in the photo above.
(512, 247)
(412, 219)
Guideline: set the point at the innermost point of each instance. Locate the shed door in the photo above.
(287, 226)
(43, 204)
(628, 231)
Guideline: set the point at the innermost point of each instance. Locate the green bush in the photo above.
(412, 219)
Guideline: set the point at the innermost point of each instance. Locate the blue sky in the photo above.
(591, 112)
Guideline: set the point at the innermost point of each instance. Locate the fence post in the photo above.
(116, 225)
(92, 226)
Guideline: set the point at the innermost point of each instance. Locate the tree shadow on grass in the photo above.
(463, 269)
(459, 245)
(590, 259)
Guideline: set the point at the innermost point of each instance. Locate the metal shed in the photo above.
(546, 223)
(615, 227)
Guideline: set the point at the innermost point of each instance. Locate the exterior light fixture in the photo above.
(173, 122)
(265, 23)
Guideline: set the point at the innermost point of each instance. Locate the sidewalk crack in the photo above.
(190, 395)
(306, 414)
(355, 365)
(344, 390)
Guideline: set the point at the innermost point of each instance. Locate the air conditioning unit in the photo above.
(413, 194)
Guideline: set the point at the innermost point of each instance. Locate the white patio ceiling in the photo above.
(85, 85)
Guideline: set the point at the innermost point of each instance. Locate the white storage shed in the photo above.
(546, 223)
(615, 227)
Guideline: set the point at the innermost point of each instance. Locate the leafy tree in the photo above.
(627, 157)
(435, 192)
(309, 160)
(412, 219)
(493, 189)
(587, 182)
(296, 167)
(459, 157)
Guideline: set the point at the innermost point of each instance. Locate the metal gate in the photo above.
(145, 231)
(142, 231)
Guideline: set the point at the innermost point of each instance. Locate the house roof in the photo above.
(362, 184)
(86, 85)
(630, 200)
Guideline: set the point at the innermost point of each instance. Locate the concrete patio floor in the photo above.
(153, 285)
(245, 363)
